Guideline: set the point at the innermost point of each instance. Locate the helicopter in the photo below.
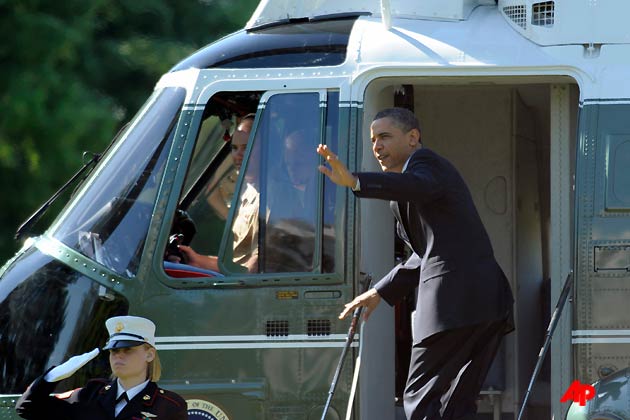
(528, 99)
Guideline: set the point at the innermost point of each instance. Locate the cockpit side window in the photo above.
(109, 219)
(210, 185)
(253, 193)
(283, 208)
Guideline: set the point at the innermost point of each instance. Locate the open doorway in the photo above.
(498, 135)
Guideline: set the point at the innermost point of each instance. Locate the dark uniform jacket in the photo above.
(458, 280)
(97, 401)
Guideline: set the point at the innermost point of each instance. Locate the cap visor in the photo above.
(122, 344)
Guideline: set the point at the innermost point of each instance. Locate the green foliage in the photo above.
(74, 71)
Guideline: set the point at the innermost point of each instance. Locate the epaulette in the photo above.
(99, 385)
(172, 397)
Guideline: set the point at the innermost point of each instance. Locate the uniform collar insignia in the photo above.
(107, 387)
(146, 397)
(147, 415)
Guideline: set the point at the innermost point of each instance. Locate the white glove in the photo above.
(67, 368)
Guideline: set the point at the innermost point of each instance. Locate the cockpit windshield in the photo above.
(109, 218)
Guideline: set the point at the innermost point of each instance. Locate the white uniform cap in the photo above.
(129, 331)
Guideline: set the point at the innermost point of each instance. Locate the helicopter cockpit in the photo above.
(268, 215)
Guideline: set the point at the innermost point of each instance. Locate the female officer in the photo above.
(132, 393)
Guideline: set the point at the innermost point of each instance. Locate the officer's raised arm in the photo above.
(133, 390)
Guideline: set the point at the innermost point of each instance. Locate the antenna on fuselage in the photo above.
(386, 14)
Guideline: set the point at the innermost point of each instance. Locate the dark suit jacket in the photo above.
(96, 401)
(453, 266)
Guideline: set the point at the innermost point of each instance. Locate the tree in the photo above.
(73, 72)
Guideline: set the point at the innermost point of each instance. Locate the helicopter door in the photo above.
(252, 335)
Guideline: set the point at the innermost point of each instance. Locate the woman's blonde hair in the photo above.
(154, 371)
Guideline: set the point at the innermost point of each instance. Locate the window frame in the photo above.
(237, 280)
(224, 255)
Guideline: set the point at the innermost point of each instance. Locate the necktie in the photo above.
(122, 397)
(121, 402)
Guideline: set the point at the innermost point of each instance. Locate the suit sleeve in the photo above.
(421, 181)
(400, 281)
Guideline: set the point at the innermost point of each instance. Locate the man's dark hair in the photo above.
(402, 118)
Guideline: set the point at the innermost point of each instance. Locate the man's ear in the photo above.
(413, 137)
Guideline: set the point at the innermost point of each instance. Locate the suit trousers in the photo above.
(447, 371)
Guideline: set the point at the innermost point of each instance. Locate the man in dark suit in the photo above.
(464, 302)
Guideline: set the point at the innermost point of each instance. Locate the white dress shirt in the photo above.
(131, 392)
